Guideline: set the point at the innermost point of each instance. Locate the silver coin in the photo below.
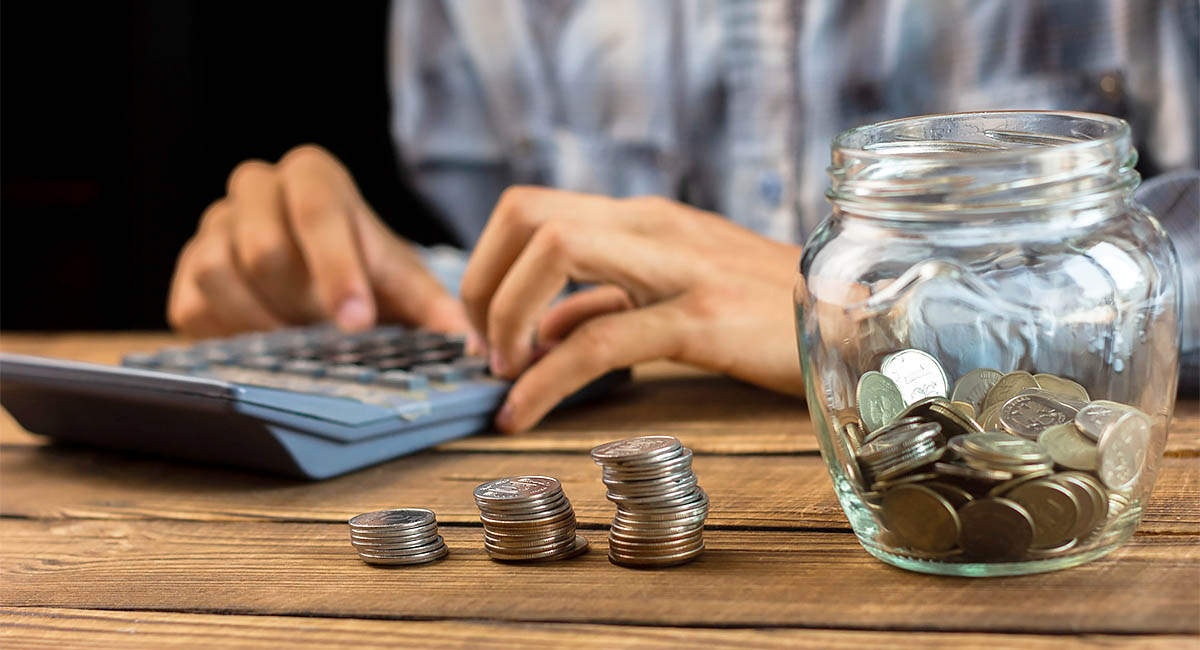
(516, 517)
(653, 552)
(1007, 388)
(1029, 415)
(974, 386)
(635, 448)
(1001, 489)
(1093, 418)
(533, 508)
(972, 473)
(995, 529)
(879, 400)
(359, 539)
(436, 554)
(897, 428)
(388, 533)
(516, 489)
(401, 549)
(1123, 448)
(681, 463)
(917, 374)
(1090, 498)
(392, 519)
(1070, 448)
(510, 550)
(1062, 386)
(579, 547)
(1003, 447)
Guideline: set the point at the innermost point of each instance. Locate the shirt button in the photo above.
(770, 188)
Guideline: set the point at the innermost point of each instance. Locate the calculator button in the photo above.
(304, 367)
(472, 366)
(262, 362)
(440, 372)
(402, 380)
(351, 373)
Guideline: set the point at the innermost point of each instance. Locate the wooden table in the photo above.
(106, 549)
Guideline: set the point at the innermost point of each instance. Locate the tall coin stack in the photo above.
(405, 536)
(660, 507)
(527, 518)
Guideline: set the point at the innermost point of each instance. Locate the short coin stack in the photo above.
(526, 519)
(405, 536)
(997, 466)
(660, 507)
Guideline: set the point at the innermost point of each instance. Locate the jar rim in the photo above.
(983, 163)
(1117, 129)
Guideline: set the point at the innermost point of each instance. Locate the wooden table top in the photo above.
(105, 549)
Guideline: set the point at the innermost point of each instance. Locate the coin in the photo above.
(917, 374)
(1089, 502)
(989, 420)
(527, 518)
(1070, 448)
(879, 400)
(1061, 386)
(954, 494)
(922, 517)
(964, 409)
(1002, 489)
(1093, 418)
(972, 387)
(645, 447)
(516, 489)
(391, 519)
(1053, 507)
(400, 536)
(1122, 449)
(972, 473)
(1028, 415)
(1007, 388)
(995, 529)
(938, 409)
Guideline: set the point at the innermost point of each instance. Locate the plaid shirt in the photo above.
(730, 105)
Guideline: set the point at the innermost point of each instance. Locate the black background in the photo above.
(119, 123)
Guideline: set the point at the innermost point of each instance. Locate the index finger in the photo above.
(321, 201)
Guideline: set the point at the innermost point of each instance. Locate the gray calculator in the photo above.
(309, 402)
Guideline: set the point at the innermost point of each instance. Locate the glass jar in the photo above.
(988, 328)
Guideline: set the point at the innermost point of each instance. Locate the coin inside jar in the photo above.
(972, 387)
(922, 517)
(1122, 449)
(1070, 448)
(879, 400)
(917, 374)
(995, 528)
(1028, 415)
(1007, 388)
(1053, 508)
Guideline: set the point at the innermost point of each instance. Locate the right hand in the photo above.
(294, 243)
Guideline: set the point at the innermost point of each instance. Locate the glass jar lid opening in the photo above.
(986, 163)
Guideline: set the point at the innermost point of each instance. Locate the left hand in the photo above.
(673, 282)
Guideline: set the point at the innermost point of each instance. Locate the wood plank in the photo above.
(46, 627)
(713, 414)
(759, 491)
(745, 579)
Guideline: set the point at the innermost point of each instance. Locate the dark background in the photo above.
(119, 123)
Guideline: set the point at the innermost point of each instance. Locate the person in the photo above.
(669, 155)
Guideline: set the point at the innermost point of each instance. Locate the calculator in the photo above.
(308, 402)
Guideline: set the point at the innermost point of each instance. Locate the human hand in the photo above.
(673, 282)
(294, 243)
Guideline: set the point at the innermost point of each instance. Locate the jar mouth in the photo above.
(983, 162)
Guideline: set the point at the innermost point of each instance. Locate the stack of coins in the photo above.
(996, 467)
(406, 536)
(660, 507)
(526, 519)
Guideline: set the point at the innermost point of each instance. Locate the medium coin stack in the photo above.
(660, 506)
(997, 466)
(527, 519)
(405, 536)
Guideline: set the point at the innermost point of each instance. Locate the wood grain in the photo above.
(46, 627)
(761, 491)
(745, 579)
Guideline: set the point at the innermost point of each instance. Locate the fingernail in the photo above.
(476, 346)
(353, 314)
(497, 364)
(504, 419)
